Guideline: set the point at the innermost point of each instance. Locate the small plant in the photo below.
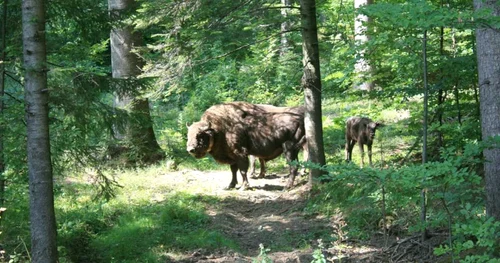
(318, 256)
(476, 237)
(263, 257)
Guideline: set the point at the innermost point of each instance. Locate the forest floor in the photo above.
(268, 215)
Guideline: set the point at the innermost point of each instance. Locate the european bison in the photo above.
(232, 131)
(272, 108)
(263, 163)
(360, 130)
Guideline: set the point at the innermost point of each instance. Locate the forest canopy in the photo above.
(418, 59)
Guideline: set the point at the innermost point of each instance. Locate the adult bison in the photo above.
(361, 130)
(262, 161)
(232, 131)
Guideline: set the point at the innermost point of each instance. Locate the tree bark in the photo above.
(363, 68)
(488, 60)
(2, 90)
(42, 216)
(311, 83)
(126, 64)
(285, 27)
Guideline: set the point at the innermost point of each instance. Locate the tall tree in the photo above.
(285, 26)
(311, 83)
(126, 65)
(362, 67)
(42, 216)
(488, 60)
(2, 90)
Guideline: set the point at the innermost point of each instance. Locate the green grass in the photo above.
(149, 220)
(144, 222)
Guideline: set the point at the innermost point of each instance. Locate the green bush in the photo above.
(454, 200)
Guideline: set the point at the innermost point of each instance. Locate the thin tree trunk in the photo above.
(423, 198)
(285, 27)
(127, 65)
(311, 82)
(488, 60)
(2, 90)
(363, 67)
(441, 98)
(42, 216)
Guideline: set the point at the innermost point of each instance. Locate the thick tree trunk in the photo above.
(42, 216)
(362, 67)
(488, 60)
(311, 82)
(126, 65)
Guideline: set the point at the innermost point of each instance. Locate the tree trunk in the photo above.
(488, 60)
(363, 68)
(42, 216)
(2, 90)
(127, 65)
(311, 82)
(285, 27)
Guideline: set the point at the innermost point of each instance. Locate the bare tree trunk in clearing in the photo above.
(42, 216)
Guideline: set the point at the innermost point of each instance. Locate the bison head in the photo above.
(372, 128)
(200, 139)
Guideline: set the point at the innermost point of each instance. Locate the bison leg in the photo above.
(362, 151)
(243, 167)
(305, 158)
(252, 165)
(234, 180)
(251, 169)
(262, 168)
(349, 145)
(291, 154)
(369, 146)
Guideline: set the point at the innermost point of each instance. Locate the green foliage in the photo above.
(141, 223)
(318, 256)
(454, 198)
(200, 53)
(263, 257)
(475, 238)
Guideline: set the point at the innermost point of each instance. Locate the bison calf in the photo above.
(360, 130)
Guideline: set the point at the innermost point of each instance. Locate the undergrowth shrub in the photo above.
(366, 197)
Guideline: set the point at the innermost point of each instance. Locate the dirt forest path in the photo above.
(263, 215)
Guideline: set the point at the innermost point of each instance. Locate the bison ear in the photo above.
(379, 124)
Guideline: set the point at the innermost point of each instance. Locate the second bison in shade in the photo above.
(232, 131)
(360, 130)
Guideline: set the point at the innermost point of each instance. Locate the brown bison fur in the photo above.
(263, 164)
(272, 108)
(232, 131)
(360, 130)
